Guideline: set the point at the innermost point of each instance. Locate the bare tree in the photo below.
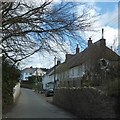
(28, 28)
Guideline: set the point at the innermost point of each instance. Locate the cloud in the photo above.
(45, 59)
(108, 21)
(87, 0)
(110, 18)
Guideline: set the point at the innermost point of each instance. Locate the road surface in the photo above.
(31, 105)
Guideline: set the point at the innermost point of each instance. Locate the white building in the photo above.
(27, 72)
(49, 80)
(81, 64)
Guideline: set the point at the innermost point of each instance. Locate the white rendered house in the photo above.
(27, 72)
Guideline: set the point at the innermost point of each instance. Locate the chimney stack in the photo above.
(58, 62)
(77, 49)
(103, 41)
(31, 67)
(102, 33)
(68, 56)
(89, 42)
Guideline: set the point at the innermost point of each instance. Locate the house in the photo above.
(119, 49)
(27, 72)
(49, 80)
(84, 63)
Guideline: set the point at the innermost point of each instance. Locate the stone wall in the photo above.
(85, 102)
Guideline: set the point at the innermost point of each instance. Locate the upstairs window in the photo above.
(104, 63)
(72, 72)
(79, 70)
(26, 78)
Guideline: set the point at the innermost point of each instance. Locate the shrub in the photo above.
(113, 88)
(10, 75)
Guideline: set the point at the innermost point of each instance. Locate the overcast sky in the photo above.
(108, 20)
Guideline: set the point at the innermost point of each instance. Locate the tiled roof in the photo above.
(89, 56)
(51, 71)
(29, 70)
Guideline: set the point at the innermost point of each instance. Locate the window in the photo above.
(72, 72)
(104, 63)
(26, 78)
(30, 73)
(79, 70)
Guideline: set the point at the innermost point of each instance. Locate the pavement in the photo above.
(34, 105)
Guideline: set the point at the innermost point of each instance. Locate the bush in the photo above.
(88, 83)
(38, 87)
(113, 88)
(87, 102)
(10, 75)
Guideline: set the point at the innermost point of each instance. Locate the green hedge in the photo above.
(10, 75)
(113, 88)
(85, 102)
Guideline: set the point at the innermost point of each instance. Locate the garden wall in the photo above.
(85, 102)
(16, 92)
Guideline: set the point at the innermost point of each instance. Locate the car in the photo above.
(49, 92)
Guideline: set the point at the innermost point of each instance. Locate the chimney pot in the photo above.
(103, 41)
(89, 42)
(77, 49)
(58, 62)
(102, 33)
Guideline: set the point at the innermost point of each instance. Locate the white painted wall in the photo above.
(16, 91)
(25, 74)
(119, 49)
(77, 71)
(46, 79)
(39, 72)
(74, 72)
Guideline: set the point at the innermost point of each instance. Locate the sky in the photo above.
(108, 20)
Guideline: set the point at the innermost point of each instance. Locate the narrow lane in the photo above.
(31, 105)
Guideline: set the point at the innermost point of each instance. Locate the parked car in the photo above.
(49, 92)
(49, 89)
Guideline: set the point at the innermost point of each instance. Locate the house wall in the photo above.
(16, 92)
(39, 72)
(46, 79)
(25, 75)
(76, 72)
(30, 72)
(72, 77)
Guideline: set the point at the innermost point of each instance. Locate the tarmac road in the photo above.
(31, 105)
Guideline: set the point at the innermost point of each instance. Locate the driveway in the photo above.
(32, 105)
